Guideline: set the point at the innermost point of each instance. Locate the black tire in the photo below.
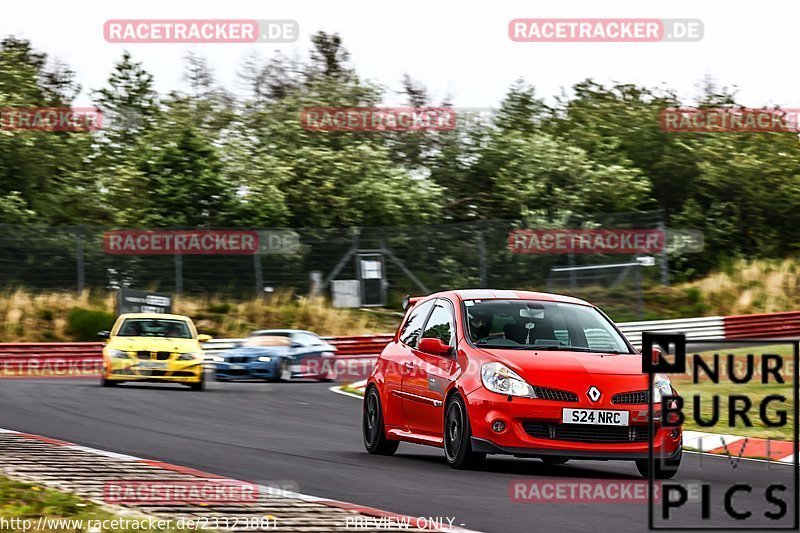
(284, 372)
(375, 440)
(108, 382)
(666, 469)
(200, 385)
(458, 436)
(553, 460)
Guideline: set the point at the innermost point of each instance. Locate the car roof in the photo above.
(279, 331)
(155, 315)
(502, 294)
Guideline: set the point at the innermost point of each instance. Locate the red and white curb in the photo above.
(739, 446)
(67, 466)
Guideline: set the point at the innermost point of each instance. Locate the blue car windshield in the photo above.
(541, 325)
(267, 340)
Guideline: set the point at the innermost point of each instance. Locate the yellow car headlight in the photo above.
(118, 354)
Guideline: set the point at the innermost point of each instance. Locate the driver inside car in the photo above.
(480, 325)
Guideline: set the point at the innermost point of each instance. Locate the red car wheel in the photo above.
(458, 435)
(375, 440)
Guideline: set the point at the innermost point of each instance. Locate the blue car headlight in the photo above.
(265, 359)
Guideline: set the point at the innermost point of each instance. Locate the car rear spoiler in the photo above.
(410, 301)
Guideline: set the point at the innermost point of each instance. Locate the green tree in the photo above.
(40, 169)
(184, 184)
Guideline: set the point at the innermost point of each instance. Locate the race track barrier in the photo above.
(50, 359)
(712, 327)
(77, 359)
(355, 356)
(773, 325)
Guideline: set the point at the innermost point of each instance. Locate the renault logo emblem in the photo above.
(593, 393)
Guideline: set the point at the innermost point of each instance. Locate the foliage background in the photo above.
(202, 157)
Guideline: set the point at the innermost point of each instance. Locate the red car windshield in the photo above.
(539, 325)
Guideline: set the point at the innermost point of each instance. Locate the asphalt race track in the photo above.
(304, 434)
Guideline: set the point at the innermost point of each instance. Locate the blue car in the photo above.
(277, 355)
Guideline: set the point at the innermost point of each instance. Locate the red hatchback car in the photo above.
(528, 374)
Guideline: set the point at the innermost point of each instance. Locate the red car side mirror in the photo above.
(433, 346)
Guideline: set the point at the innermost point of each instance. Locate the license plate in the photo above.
(600, 417)
(237, 367)
(153, 366)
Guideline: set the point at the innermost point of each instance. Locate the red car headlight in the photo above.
(498, 378)
(662, 386)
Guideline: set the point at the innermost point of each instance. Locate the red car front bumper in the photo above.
(533, 427)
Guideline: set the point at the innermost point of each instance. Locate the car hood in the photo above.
(528, 363)
(154, 344)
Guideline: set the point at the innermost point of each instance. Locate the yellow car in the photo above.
(152, 347)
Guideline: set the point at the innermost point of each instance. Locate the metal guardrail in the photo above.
(772, 325)
(219, 345)
(83, 358)
(695, 328)
(51, 359)
(9, 349)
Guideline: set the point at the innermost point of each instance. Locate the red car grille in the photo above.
(586, 432)
(554, 394)
(638, 397)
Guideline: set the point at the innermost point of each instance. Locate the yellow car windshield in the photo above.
(149, 327)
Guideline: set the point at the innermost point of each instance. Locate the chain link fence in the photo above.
(400, 260)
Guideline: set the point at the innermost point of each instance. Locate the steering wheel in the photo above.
(490, 336)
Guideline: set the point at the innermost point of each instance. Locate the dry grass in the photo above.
(223, 318)
(42, 317)
(752, 287)
(26, 316)
(744, 287)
